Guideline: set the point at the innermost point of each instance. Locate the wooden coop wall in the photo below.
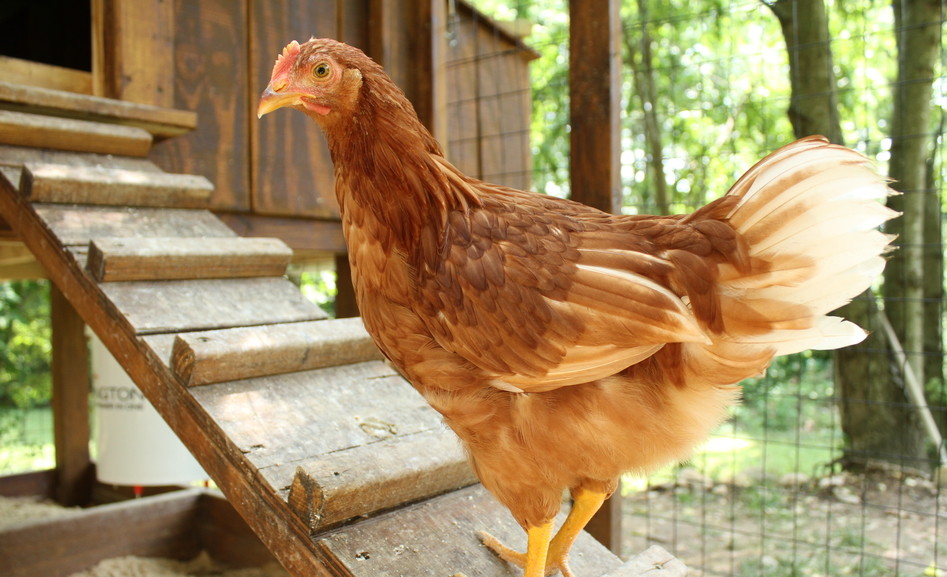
(276, 166)
(488, 100)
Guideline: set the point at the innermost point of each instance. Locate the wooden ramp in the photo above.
(329, 455)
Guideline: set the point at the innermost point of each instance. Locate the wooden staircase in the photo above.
(331, 457)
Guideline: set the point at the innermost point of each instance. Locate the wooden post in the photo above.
(595, 92)
(70, 374)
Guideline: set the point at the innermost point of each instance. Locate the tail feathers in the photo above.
(809, 215)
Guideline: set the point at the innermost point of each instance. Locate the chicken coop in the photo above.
(168, 222)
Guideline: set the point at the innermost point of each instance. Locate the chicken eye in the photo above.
(321, 70)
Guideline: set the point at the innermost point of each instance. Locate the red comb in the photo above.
(285, 60)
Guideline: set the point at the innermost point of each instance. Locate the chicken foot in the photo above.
(544, 556)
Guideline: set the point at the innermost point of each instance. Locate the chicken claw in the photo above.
(535, 562)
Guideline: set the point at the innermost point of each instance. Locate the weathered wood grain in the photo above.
(77, 225)
(210, 78)
(292, 173)
(652, 562)
(173, 258)
(378, 476)
(18, 71)
(194, 305)
(56, 183)
(133, 51)
(17, 156)
(160, 122)
(282, 421)
(39, 131)
(266, 510)
(438, 537)
(247, 352)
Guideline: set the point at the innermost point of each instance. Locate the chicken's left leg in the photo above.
(584, 505)
(555, 553)
(537, 548)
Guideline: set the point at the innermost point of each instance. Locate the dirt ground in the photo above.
(880, 524)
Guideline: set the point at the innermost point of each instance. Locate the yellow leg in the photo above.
(537, 547)
(544, 556)
(584, 506)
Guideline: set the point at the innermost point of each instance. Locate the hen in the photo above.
(566, 346)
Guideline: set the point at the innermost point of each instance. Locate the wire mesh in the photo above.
(786, 487)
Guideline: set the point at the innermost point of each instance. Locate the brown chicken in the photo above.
(566, 346)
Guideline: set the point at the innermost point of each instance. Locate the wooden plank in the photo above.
(14, 157)
(61, 184)
(281, 421)
(211, 78)
(133, 51)
(252, 495)
(195, 305)
(292, 172)
(17, 71)
(302, 235)
(595, 103)
(77, 225)
(225, 536)
(35, 130)
(159, 526)
(247, 352)
(158, 121)
(174, 258)
(369, 478)
(652, 562)
(438, 537)
(71, 388)
(32, 484)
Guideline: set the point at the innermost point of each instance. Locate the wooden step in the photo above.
(246, 352)
(39, 131)
(161, 122)
(438, 538)
(369, 478)
(77, 225)
(57, 183)
(197, 305)
(284, 421)
(175, 258)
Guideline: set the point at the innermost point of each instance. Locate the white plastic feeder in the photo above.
(134, 445)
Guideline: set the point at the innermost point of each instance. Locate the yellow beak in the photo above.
(270, 100)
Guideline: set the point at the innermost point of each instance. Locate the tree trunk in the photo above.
(914, 278)
(643, 69)
(813, 106)
(877, 421)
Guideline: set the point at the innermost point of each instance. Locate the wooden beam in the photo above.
(595, 108)
(41, 131)
(71, 387)
(595, 102)
(159, 121)
(45, 75)
(176, 258)
(203, 358)
(57, 183)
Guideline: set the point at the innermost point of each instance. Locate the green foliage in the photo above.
(25, 346)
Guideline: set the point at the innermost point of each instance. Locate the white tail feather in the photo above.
(812, 210)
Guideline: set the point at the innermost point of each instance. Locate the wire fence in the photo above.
(815, 473)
